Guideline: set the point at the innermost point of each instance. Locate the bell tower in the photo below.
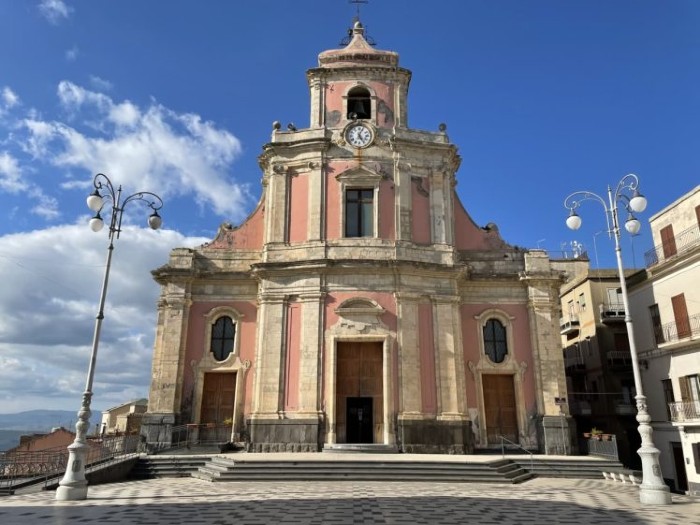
(358, 82)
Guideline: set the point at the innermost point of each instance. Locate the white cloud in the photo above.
(154, 148)
(47, 312)
(10, 174)
(151, 147)
(72, 54)
(54, 10)
(100, 83)
(9, 98)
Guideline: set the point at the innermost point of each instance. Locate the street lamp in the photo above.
(73, 486)
(653, 490)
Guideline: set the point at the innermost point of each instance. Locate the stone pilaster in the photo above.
(543, 308)
(165, 396)
(409, 357)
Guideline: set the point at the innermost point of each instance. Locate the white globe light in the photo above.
(154, 221)
(96, 223)
(573, 221)
(638, 202)
(95, 201)
(633, 225)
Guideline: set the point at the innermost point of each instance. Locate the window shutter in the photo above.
(680, 313)
(668, 241)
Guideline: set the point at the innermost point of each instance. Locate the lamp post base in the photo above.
(73, 485)
(72, 493)
(653, 490)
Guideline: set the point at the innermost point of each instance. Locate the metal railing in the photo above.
(674, 331)
(682, 411)
(611, 311)
(20, 468)
(194, 434)
(603, 447)
(503, 450)
(684, 241)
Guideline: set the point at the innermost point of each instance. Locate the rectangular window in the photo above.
(359, 213)
(680, 314)
(667, 386)
(668, 241)
(656, 323)
(615, 298)
(582, 302)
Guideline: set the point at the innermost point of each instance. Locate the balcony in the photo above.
(612, 313)
(673, 332)
(619, 359)
(625, 408)
(569, 325)
(685, 411)
(681, 243)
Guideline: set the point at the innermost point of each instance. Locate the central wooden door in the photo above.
(359, 397)
(218, 397)
(500, 409)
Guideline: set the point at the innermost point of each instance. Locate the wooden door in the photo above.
(680, 313)
(359, 376)
(500, 408)
(218, 397)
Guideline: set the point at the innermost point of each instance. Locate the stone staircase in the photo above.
(172, 466)
(218, 468)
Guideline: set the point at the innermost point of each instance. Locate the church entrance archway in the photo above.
(500, 408)
(217, 408)
(359, 392)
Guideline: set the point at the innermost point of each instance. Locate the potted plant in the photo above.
(596, 433)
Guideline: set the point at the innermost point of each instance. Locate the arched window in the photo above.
(495, 343)
(359, 103)
(223, 334)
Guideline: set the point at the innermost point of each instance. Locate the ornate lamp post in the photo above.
(653, 490)
(73, 486)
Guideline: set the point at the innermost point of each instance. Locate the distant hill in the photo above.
(43, 420)
(10, 438)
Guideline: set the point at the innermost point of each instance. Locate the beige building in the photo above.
(665, 305)
(360, 305)
(597, 358)
(124, 418)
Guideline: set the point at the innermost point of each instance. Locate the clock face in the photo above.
(359, 136)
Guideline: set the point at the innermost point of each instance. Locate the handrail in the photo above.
(503, 450)
(22, 467)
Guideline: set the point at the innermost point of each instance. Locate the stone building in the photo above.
(359, 304)
(598, 360)
(665, 305)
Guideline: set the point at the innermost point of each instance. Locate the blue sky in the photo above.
(542, 97)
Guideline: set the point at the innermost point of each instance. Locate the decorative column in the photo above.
(550, 378)
(165, 397)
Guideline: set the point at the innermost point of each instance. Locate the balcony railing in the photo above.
(684, 411)
(674, 331)
(569, 324)
(684, 241)
(619, 358)
(612, 312)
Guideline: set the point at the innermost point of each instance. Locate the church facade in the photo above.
(359, 304)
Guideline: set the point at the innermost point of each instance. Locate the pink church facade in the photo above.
(359, 304)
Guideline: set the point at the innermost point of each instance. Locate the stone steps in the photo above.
(238, 468)
(224, 469)
(167, 466)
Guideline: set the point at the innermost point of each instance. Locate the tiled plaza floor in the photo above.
(190, 501)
